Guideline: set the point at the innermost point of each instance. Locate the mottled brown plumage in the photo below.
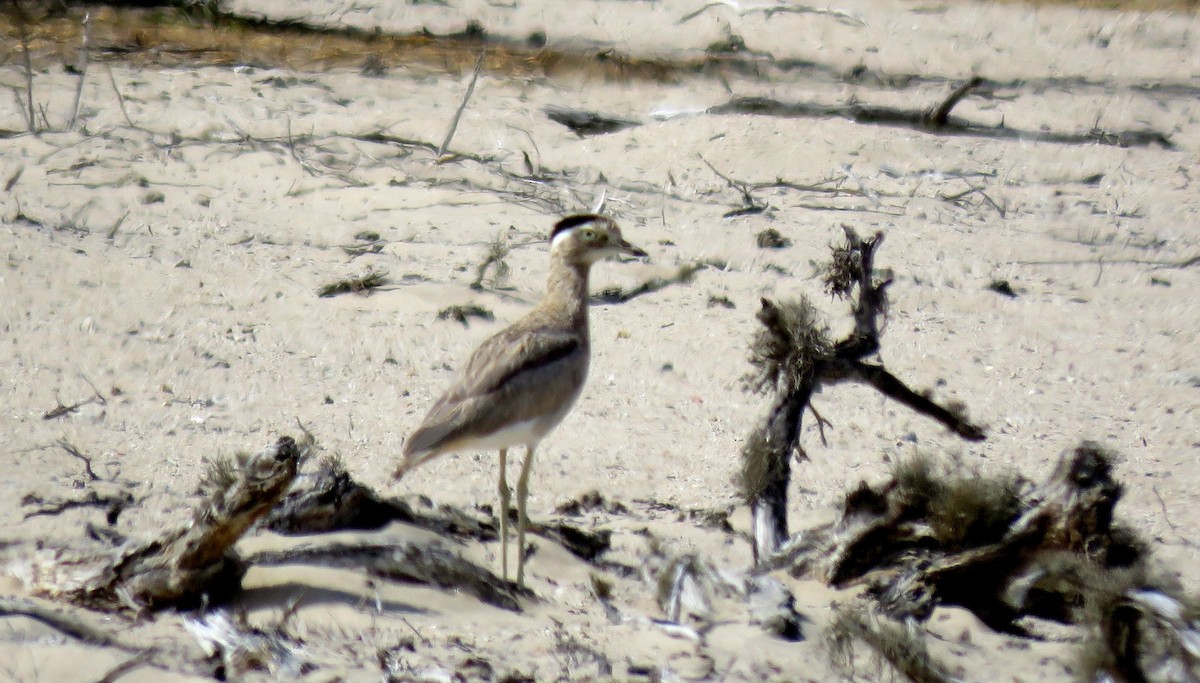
(519, 384)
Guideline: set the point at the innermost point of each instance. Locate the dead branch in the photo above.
(893, 388)
(793, 356)
(928, 537)
(425, 563)
(184, 566)
(496, 261)
(328, 499)
(1143, 633)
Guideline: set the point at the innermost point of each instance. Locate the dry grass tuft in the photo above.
(463, 313)
(495, 261)
(786, 349)
(963, 507)
(900, 645)
(357, 285)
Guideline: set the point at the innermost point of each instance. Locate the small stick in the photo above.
(60, 409)
(83, 69)
(599, 206)
(441, 155)
(74, 452)
(940, 115)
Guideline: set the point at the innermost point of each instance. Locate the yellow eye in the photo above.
(588, 235)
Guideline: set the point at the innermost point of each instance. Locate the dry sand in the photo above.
(172, 266)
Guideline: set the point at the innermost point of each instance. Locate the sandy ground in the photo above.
(172, 266)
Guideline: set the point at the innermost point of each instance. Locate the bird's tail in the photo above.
(412, 461)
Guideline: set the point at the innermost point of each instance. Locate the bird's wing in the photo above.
(508, 354)
(492, 369)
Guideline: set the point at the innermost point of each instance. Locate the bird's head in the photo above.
(588, 238)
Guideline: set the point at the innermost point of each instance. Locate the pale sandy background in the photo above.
(197, 316)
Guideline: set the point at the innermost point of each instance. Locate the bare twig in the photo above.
(120, 99)
(441, 155)
(749, 206)
(82, 67)
(74, 452)
(60, 409)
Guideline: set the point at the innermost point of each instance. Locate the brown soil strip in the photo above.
(171, 37)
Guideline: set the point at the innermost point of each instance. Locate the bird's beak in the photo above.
(628, 249)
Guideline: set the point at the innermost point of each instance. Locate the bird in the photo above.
(518, 385)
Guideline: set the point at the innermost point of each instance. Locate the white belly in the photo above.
(519, 434)
(524, 433)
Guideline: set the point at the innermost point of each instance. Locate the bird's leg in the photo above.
(522, 518)
(504, 504)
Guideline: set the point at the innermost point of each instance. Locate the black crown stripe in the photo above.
(573, 222)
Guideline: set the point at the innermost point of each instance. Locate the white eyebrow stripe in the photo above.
(560, 237)
(569, 231)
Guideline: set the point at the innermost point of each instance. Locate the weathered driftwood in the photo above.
(329, 499)
(429, 563)
(793, 357)
(1007, 551)
(925, 538)
(187, 566)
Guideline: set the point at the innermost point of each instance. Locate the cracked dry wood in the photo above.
(187, 566)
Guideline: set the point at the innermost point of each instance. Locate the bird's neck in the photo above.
(567, 293)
